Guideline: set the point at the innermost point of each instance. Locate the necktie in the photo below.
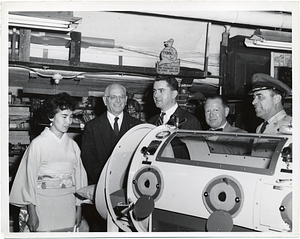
(160, 120)
(219, 129)
(116, 126)
(263, 127)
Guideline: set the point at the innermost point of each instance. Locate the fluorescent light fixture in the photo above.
(287, 46)
(42, 23)
(276, 40)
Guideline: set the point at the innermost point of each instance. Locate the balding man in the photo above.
(216, 110)
(102, 133)
(99, 138)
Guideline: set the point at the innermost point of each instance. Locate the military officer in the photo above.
(268, 95)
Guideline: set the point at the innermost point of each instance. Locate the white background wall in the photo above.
(143, 36)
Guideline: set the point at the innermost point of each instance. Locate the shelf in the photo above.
(85, 108)
(19, 129)
(19, 105)
(72, 126)
(16, 154)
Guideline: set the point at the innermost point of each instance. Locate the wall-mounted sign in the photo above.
(168, 64)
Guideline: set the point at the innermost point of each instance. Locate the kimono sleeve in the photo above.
(23, 190)
(80, 174)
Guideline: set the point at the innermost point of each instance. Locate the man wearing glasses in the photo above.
(102, 134)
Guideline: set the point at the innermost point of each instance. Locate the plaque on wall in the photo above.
(168, 64)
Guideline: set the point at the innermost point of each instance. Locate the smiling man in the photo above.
(101, 134)
(99, 138)
(216, 110)
(165, 92)
(268, 94)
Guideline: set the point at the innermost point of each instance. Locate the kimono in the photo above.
(49, 174)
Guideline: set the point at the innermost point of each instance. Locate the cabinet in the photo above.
(19, 138)
(239, 63)
(19, 135)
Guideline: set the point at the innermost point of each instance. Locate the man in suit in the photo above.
(100, 137)
(268, 94)
(216, 110)
(165, 91)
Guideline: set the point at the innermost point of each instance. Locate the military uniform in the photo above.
(262, 81)
(281, 123)
(278, 124)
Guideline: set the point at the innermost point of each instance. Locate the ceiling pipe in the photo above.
(279, 20)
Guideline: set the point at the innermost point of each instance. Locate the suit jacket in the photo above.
(98, 142)
(230, 145)
(229, 128)
(191, 121)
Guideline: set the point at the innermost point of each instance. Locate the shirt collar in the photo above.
(170, 112)
(274, 117)
(55, 137)
(111, 118)
(221, 127)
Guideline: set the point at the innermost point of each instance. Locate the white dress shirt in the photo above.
(170, 112)
(111, 119)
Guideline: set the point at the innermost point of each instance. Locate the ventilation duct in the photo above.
(267, 19)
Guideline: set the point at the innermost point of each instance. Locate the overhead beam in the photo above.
(36, 62)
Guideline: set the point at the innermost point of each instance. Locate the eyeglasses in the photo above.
(115, 97)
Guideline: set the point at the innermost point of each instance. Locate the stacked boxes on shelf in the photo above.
(19, 124)
(19, 117)
(19, 134)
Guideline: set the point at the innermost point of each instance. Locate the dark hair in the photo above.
(60, 101)
(223, 99)
(171, 81)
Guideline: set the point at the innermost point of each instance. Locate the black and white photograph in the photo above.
(169, 119)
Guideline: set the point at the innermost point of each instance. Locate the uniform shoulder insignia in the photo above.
(286, 125)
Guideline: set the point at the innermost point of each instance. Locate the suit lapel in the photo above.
(123, 125)
(126, 125)
(179, 113)
(105, 129)
(227, 127)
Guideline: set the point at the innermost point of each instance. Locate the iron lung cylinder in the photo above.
(165, 179)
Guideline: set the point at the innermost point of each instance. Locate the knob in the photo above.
(145, 151)
(282, 208)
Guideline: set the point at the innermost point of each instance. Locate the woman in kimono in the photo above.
(50, 172)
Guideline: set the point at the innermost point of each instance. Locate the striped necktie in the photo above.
(116, 126)
(160, 120)
(263, 127)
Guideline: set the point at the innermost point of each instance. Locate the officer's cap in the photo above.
(262, 81)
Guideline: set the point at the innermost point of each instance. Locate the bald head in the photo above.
(115, 98)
